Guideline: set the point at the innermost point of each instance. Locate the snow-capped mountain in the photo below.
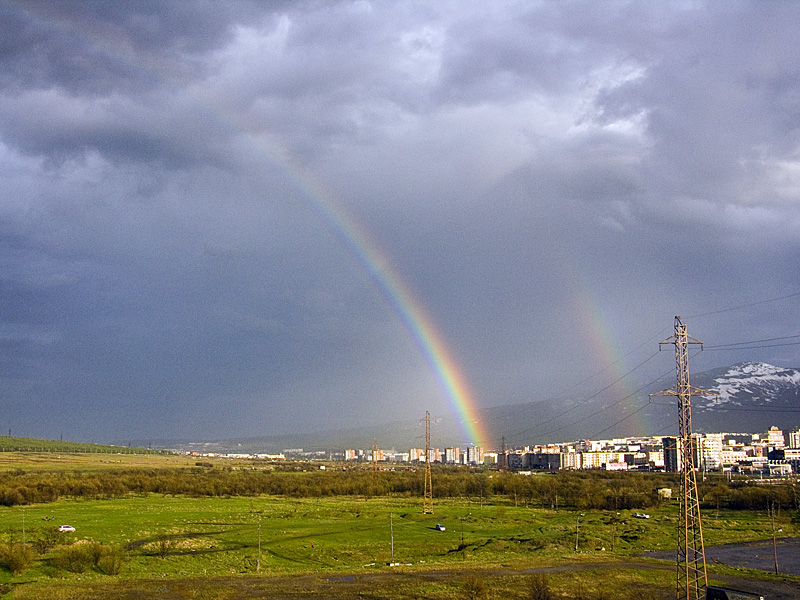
(751, 396)
(748, 384)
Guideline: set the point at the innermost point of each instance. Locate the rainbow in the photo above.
(601, 340)
(373, 260)
(397, 294)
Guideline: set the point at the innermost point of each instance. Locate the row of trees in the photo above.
(574, 489)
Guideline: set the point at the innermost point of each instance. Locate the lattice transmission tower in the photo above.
(692, 578)
(427, 503)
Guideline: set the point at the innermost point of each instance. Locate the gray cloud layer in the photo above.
(554, 181)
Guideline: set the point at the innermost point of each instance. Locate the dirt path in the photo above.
(364, 585)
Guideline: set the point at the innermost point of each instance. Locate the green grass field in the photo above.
(170, 541)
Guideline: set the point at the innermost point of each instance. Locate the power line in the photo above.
(748, 345)
(718, 348)
(625, 418)
(775, 339)
(577, 406)
(732, 308)
(602, 409)
(609, 365)
(607, 406)
(589, 378)
(760, 409)
(645, 405)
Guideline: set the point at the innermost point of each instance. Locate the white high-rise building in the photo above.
(475, 455)
(794, 439)
(711, 452)
(452, 456)
(416, 455)
(775, 437)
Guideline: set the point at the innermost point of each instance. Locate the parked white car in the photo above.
(68, 528)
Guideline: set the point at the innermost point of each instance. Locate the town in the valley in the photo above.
(771, 453)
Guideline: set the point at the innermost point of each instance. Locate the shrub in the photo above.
(95, 550)
(475, 588)
(539, 587)
(46, 540)
(76, 558)
(17, 557)
(165, 545)
(112, 559)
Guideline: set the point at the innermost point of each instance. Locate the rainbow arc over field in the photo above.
(398, 295)
(373, 260)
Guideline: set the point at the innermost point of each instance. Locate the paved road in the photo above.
(759, 555)
(751, 555)
(755, 555)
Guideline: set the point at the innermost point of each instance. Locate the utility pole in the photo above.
(613, 531)
(692, 578)
(427, 503)
(391, 533)
(258, 562)
(774, 541)
(503, 454)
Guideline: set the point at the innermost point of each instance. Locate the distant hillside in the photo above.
(400, 435)
(751, 398)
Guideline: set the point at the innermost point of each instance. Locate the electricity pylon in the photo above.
(427, 503)
(691, 565)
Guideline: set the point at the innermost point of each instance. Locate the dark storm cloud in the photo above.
(160, 128)
(553, 181)
(99, 47)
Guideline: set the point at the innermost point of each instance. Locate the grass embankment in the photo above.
(26, 444)
(95, 461)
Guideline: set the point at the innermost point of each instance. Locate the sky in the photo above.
(235, 219)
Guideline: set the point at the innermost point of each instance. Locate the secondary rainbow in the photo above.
(601, 339)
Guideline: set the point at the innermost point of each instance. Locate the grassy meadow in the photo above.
(82, 461)
(254, 543)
